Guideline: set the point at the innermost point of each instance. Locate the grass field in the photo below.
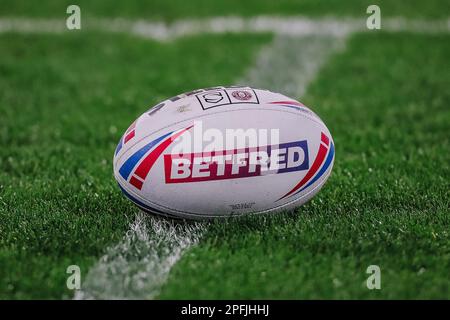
(66, 99)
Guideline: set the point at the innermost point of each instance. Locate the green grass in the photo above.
(385, 100)
(172, 9)
(66, 99)
(64, 102)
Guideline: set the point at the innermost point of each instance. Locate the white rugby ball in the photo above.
(224, 151)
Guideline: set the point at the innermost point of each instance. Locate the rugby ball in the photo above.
(224, 151)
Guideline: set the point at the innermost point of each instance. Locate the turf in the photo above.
(64, 103)
(385, 100)
(173, 9)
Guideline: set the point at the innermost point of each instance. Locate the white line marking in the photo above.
(139, 265)
(293, 25)
(291, 63)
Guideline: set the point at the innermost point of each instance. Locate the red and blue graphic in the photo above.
(129, 134)
(136, 173)
(323, 160)
(290, 104)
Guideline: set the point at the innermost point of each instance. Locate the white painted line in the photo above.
(278, 25)
(138, 266)
(291, 63)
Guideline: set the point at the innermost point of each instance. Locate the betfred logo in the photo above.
(237, 163)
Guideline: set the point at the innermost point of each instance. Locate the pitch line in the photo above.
(138, 266)
(290, 63)
(293, 25)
